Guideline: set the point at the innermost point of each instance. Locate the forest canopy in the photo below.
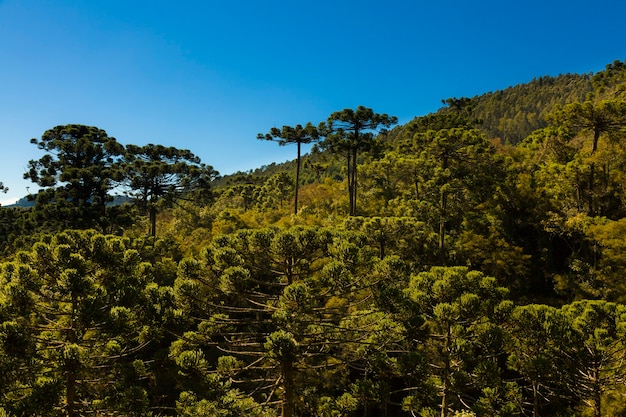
(470, 262)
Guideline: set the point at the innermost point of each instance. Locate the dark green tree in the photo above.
(463, 311)
(242, 294)
(349, 132)
(275, 191)
(612, 81)
(413, 241)
(457, 113)
(79, 170)
(156, 176)
(599, 119)
(240, 196)
(298, 135)
(598, 351)
(77, 314)
(538, 339)
(458, 170)
(287, 317)
(607, 240)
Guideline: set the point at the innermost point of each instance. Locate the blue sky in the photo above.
(209, 75)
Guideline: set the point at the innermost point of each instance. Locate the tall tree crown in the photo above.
(362, 118)
(292, 134)
(77, 173)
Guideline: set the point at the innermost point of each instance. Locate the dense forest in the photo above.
(471, 262)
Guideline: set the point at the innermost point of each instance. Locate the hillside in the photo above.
(469, 269)
(513, 113)
(510, 114)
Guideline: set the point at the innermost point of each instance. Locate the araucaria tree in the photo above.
(79, 169)
(599, 355)
(298, 135)
(77, 313)
(462, 311)
(156, 176)
(349, 132)
(604, 118)
(454, 172)
(284, 318)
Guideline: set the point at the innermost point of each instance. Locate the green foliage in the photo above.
(249, 308)
(457, 115)
(231, 404)
(513, 113)
(608, 235)
(275, 191)
(584, 161)
(350, 132)
(412, 240)
(77, 172)
(463, 311)
(484, 244)
(75, 310)
(456, 170)
(304, 288)
(157, 176)
(611, 83)
(538, 336)
(598, 350)
(298, 135)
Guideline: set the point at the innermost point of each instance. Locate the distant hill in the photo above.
(25, 202)
(513, 113)
(510, 114)
(22, 202)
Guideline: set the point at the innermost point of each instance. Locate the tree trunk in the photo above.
(443, 206)
(535, 399)
(288, 408)
(590, 196)
(596, 138)
(442, 227)
(70, 394)
(295, 210)
(590, 186)
(354, 165)
(153, 219)
(597, 393)
(597, 405)
(70, 377)
(350, 185)
(446, 374)
(290, 264)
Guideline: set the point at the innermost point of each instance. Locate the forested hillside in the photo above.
(513, 113)
(468, 263)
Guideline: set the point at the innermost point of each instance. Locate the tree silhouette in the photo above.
(349, 132)
(79, 170)
(298, 135)
(156, 176)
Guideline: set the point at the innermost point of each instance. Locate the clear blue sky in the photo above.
(209, 75)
